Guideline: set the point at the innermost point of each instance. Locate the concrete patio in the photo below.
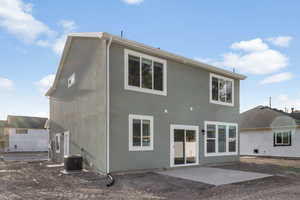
(213, 176)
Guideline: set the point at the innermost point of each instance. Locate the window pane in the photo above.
(286, 138)
(57, 143)
(222, 89)
(232, 131)
(222, 138)
(229, 91)
(232, 138)
(211, 131)
(232, 146)
(179, 147)
(215, 89)
(146, 133)
(146, 73)
(278, 138)
(158, 76)
(211, 146)
(190, 146)
(133, 71)
(136, 132)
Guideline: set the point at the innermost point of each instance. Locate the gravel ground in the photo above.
(33, 180)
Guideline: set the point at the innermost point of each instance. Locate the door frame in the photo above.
(67, 133)
(185, 127)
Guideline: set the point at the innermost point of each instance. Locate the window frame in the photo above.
(57, 135)
(22, 133)
(282, 144)
(132, 117)
(210, 90)
(217, 153)
(71, 80)
(128, 52)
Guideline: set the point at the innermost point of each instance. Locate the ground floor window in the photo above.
(282, 138)
(140, 132)
(57, 143)
(220, 138)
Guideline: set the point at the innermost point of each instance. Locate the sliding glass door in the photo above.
(184, 145)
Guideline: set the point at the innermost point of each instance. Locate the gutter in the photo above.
(107, 105)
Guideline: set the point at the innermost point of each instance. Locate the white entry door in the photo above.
(184, 148)
(66, 143)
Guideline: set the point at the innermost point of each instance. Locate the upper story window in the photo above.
(282, 138)
(221, 90)
(145, 73)
(71, 80)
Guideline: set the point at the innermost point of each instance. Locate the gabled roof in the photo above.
(141, 47)
(262, 117)
(26, 122)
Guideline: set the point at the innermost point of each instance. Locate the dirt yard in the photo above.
(34, 180)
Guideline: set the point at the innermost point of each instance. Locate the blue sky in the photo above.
(259, 38)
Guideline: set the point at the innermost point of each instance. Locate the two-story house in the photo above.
(124, 106)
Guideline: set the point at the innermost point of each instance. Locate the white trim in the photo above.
(131, 117)
(71, 80)
(227, 153)
(282, 132)
(107, 106)
(184, 127)
(140, 89)
(57, 135)
(210, 90)
(66, 144)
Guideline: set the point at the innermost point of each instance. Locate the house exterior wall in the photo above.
(187, 87)
(81, 109)
(264, 142)
(34, 140)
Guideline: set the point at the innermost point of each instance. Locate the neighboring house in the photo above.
(26, 134)
(123, 106)
(3, 136)
(269, 132)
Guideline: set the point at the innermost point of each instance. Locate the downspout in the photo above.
(107, 105)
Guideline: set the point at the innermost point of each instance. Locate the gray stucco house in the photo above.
(124, 106)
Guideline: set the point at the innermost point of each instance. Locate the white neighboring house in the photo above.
(26, 134)
(269, 132)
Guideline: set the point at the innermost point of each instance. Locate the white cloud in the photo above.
(45, 83)
(256, 58)
(16, 18)
(133, 1)
(277, 78)
(283, 101)
(260, 62)
(282, 41)
(250, 45)
(6, 84)
(59, 43)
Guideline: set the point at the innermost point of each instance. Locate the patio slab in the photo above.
(212, 175)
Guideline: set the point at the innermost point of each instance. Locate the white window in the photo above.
(221, 139)
(140, 133)
(221, 90)
(21, 131)
(57, 143)
(145, 73)
(282, 138)
(71, 80)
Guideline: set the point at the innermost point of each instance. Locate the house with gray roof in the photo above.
(25, 134)
(266, 131)
(124, 105)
